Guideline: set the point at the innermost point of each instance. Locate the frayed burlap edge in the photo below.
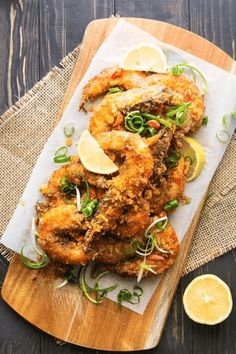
(26, 99)
(32, 93)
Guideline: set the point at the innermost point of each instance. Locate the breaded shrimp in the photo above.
(109, 114)
(171, 187)
(158, 261)
(74, 172)
(60, 234)
(134, 221)
(134, 79)
(133, 177)
(108, 78)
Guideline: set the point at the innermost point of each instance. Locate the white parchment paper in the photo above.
(219, 100)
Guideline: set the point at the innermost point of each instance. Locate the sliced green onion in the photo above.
(175, 71)
(180, 113)
(138, 291)
(205, 120)
(33, 265)
(172, 204)
(134, 245)
(114, 90)
(33, 236)
(189, 158)
(159, 119)
(60, 155)
(155, 223)
(67, 187)
(160, 249)
(61, 285)
(89, 208)
(172, 159)
(233, 114)
(126, 295)
(69, 130)
(62, 151)
(100, 293)
(224, 121)
(62, 159)
(172, 112)
(148, 267)
(223, 136)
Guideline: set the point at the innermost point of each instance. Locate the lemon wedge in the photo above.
(145, 57)
(194, 151)
(207, 299)
(92, 155)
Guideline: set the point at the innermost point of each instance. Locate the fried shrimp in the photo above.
(74, 172)
(133, 221)
(133, 176)
(171, 187)
(110, 77)
(159, 145)
(59, 234)
(135, 79)
(159, 260)
(109, 114)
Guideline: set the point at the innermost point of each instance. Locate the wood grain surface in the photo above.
(214, 20)
(81, 322)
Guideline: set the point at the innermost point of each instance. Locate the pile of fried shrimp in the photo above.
(128, 230)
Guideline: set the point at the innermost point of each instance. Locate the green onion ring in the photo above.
(192, 68)
(69, 130)
(62, 151)
(61, 159)
(223, 136)
(33, 265)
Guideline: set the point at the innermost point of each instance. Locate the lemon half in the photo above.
(207, 300)
(92, 155)
(194, 151)
(145, 57)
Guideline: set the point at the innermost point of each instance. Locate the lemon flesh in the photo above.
(145, 57)
(194, 151)
(207, 300)
(92, 155)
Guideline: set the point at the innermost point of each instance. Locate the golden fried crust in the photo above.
(170, 188)
(159, 261)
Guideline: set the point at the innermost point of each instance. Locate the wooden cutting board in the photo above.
(65, 313)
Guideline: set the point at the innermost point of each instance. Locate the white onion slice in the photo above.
(78, 198)
(34, 244)
(154, 223)
(65, 282)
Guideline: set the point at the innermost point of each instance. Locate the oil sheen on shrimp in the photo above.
(133, 176)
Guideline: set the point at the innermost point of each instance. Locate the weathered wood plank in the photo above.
(19, 44)
(62, 25)
(172, 11)
(215, 20)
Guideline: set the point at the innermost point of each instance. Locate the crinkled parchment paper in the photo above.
(220, 99)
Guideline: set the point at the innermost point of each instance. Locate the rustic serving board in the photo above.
(65, 313)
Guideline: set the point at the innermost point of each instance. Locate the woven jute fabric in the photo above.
(25, 128)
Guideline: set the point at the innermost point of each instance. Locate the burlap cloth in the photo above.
(25, 128)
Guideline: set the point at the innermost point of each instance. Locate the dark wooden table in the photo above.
(34, 36)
